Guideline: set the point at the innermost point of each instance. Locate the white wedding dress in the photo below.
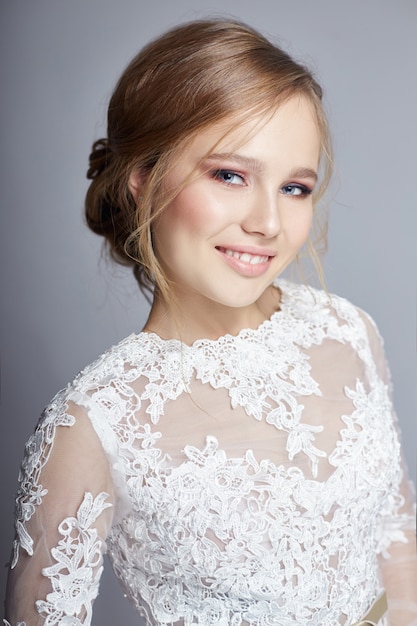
(251, 480)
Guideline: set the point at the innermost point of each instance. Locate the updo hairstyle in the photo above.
(186, 80)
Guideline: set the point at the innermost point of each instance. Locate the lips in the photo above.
(245, 257)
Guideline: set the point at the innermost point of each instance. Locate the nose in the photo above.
(262, 216)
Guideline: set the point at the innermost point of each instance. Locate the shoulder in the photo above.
(308, 298)
(123, 362)
(99, 382)
(312, 304)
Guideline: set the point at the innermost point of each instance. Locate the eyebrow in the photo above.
(258, 166)
(303, 172)
(253, 164)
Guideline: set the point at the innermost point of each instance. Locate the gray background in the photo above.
(62, 303)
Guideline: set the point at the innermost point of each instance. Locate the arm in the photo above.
(398, 561)
(398, 555)
(63, 514)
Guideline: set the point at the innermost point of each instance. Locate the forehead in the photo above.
(292, 126)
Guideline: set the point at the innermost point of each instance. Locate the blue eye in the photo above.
(229, 177)
(296, 190)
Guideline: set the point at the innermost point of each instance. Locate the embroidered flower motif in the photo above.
(300, 439)
(38, 449)
(77, 569)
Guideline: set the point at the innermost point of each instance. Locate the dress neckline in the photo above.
(284, 287)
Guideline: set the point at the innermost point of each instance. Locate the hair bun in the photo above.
(99, 158)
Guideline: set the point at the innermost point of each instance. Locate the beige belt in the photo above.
(375, 613)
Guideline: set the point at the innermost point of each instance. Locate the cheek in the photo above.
(182, 224)
(187, 220)
(196, 213)
(186, 214)
(300, 228)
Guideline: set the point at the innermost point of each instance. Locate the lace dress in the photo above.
(250, 480)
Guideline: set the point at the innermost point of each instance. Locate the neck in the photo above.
(205, 319)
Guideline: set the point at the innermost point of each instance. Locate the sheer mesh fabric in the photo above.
(252, 480)
(63, 515)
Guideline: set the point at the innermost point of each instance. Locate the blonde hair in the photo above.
(186, 80)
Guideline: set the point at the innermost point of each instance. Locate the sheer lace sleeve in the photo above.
(63, 514)
(397, 535)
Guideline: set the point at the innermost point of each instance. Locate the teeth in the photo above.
(246, 257)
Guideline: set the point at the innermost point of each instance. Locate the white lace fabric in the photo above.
(255, 480)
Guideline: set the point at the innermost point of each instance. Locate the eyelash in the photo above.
(220, 173)
(217, 175)
(304, 191)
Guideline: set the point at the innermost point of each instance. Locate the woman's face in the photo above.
(237, 224)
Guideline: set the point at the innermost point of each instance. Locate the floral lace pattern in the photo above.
(76, 574)
(205, 535)
(37, 451)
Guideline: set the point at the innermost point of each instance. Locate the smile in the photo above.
(246, 257)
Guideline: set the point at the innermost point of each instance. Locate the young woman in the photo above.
(238, 458)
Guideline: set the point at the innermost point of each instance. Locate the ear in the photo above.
(137, 179)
